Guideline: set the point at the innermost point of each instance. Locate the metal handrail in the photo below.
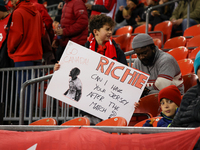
(110, 129)
(167, 3)
(22, 95)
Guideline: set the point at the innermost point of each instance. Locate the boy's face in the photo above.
(168, 107)
(103, 34)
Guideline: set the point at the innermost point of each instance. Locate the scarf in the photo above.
(107, 50)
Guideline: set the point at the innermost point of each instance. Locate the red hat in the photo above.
(172, 93)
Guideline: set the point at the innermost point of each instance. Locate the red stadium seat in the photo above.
(45, 121)
(179, 53)
(186, 66)
(81, 121)
(140, 124)
(175, 42)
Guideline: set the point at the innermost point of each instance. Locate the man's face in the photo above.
(146, 55)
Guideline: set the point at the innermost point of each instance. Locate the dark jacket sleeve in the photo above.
(119, 18)
(120, 54)
(100, 8)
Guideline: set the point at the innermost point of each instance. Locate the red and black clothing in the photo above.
(110, 50)
(3, 33)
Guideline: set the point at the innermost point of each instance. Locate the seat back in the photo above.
(157, 42)
(149, 104)
(45, 121)
(77, 121)
(124, 30)
(189, 80)
(166, 28)
(175, 42)
(123, 41)
(137, 117)
(179, 52)
(193, 53)
(192, 31)
(186, 66)
(142, 28)
(193, 42)
(141, 123)
(115, 121)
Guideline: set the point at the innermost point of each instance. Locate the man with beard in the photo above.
(162, 67)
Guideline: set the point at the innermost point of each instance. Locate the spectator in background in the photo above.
(103, 6)
(142, 18)
(4, 17)
(130, 13)
(162, 67)
(74, 25)
(45, 17)
(179, 16)
(161, 14)
(24, 39)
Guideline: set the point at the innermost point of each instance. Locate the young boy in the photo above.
(169, 99)
(101, 27)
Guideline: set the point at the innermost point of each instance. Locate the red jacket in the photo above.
(74, 21)
(24, 38)
(3, 24)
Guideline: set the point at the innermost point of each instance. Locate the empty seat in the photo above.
(81, 121)
(179, 52)
(186, 66)
(45, 121)
(175, 42)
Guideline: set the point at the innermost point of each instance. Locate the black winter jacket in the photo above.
(189, 110)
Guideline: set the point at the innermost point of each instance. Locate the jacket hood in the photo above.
(28, 6)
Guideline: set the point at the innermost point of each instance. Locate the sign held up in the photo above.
(96, 84)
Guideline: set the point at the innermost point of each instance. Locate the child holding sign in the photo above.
(101, 27)
(169, 99)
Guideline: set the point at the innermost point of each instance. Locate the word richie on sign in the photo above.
(136, 79)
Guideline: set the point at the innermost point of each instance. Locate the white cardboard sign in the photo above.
(104, 87)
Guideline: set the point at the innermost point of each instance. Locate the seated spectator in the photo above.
(188, 114)
(179, 16)
(162, 67)
(169, 99)
(130, 13)
(107, 7)
(142, 18)
(161, 14)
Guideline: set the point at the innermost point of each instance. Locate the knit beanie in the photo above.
(141, 40)
(135, 1)
(2, 5)
(197, 62)
(172, 93)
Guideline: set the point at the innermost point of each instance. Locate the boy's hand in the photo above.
(56, 66)
(136, 104)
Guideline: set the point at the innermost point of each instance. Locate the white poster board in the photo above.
(104, 87)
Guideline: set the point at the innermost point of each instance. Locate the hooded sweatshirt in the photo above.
(24, 39)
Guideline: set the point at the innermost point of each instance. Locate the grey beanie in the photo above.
(141, 40)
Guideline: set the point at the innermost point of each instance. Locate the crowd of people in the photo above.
(31, 30)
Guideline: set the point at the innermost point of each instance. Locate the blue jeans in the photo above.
(184, 24)
(26, 76)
